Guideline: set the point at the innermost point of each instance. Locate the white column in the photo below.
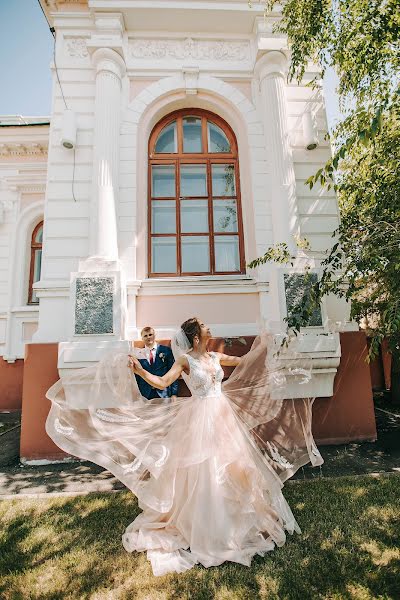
(271, 69)
(110, 68)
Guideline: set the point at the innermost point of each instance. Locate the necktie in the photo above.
(151, 357)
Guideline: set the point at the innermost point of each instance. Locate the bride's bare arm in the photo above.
(228, 361)
(154, 380)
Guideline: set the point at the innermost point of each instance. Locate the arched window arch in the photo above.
(36, 261)
(194, 210)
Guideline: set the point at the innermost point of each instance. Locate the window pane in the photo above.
(217, 140)
(193, 180)
(166, 141)
(223, 180)
(195, 254)
(163, 181)
(163, 216)
(225, 216)
(227, 253)
(37, 266)
(39, 236)
(194, 216)
(163, 255)
(192, 135)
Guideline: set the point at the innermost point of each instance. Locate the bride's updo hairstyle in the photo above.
(191, 328)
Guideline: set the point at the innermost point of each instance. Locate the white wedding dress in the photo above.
(208, 470)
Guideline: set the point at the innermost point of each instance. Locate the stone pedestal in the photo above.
(309, 363)
(98, 301)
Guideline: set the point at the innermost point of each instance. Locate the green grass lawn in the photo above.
(71, 548)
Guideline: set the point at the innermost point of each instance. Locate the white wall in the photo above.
(158, 80)
(22, 188)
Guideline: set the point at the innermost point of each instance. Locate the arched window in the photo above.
(194, 213)
(36, 261)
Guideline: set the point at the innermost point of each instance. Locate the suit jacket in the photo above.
(164, 360)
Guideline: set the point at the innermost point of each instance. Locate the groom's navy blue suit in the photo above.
(163, 361)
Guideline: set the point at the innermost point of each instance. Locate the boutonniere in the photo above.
(162, 356)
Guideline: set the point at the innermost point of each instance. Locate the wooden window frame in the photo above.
(180, 158)
(34, 247)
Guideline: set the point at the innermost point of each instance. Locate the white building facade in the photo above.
(190, 160)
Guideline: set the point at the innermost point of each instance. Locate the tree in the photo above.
(360, 40)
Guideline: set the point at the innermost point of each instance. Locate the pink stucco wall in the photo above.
(212, 308)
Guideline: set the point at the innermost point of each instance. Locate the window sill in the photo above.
(186, 286)
(26, 308)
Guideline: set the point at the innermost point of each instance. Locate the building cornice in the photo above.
(27, 149)
(24, 141)
(27, 180)
(53, 6)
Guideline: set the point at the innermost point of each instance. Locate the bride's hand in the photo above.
(134, 364)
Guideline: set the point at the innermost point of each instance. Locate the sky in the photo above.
(26, 51)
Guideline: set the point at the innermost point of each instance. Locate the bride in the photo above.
(208, 470)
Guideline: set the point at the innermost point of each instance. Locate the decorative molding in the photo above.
(266, 38)
(12, 149)
(181, 49)
(31, 188)
(56, 5)
(5, 205)
(271, 64)
(109, 23)
(191, 76)
(107, 60)
(76, 47)
(8, 198)
(189, 285)
(26, 183)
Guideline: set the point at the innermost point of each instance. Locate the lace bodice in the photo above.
(205, 380)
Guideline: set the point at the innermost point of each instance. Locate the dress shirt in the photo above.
(152, 349)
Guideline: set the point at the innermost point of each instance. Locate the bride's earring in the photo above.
(196, 341)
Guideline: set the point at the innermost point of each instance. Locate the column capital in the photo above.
(272, 63)
(106, 59)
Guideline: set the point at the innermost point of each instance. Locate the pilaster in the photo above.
(271, 70)
(110, 68)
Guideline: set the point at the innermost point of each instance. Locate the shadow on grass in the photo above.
(56, 478)
(71, 548)
(350, 459)
(360, 458)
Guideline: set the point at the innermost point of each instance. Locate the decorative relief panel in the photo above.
(210, 50)
(296, 285)
(76, 47)
(10, 149)
(94, 305)
(5, 205)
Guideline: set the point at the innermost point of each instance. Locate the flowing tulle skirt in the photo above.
(208, 480)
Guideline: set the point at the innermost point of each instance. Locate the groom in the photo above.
(155, 359)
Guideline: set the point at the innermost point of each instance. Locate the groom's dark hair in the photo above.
(191, 327)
